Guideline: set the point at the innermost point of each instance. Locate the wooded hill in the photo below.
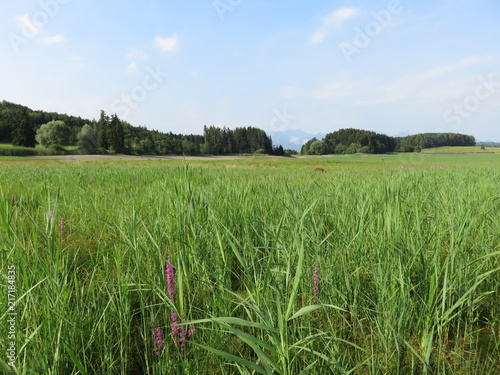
(115, 135)
(350, 141)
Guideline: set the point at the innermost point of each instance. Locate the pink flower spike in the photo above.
(159, 341)
(170, 276)
(63, 225)
(175, 323)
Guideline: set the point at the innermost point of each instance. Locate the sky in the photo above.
(290, 67)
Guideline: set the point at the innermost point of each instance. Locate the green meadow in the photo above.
(385, 264)
(8, 150)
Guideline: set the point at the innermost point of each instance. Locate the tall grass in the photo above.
(9, 150)
(408, 269)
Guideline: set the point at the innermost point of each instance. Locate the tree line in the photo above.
(21, 126)
(109, 134)
(351, 141)
(9, 113)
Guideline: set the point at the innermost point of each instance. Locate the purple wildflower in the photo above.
(175, 322)
(170, 275)
(181, 332)
(315, 283)
(15, 200)
(158, 334)
(182, 337)
(63, 224)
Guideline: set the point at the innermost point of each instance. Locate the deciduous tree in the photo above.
(87, 138)
(53, 133)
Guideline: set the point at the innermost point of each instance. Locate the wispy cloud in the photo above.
(333, 21)
(132, 67)
(464, 63)
(297, 141)
(169, 44)
(60, 38)
(27, 25)
(422, 89)
(290, 92)
(136, 54)
(343, 89)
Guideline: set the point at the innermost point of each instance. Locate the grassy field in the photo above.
(385, 264)
(457, 150)
(7, 149)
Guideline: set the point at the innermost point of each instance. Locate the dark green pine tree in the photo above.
(117, 134)
(103, 131)
(23, 130)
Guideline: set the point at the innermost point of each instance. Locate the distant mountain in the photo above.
(488, 143)
(293, 139)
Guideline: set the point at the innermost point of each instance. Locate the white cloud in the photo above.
(290, 92)
(297, 141)
(194, 73)
(318, 37)
(132, 67)
(54, 39)
(27, 25)
(333, 21)
(424, 90)
(412, 93)
(136, 54)
(343, 89)
(169, 44)
(444, 69)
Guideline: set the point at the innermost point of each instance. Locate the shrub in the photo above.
(57, 148)
(53, 132)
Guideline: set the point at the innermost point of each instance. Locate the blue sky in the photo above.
(396, 67)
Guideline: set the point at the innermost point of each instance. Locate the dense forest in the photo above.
(115, 135)
(20, 126)
(350, 141)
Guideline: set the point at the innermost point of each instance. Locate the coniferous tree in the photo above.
(23, 132)
(117, 135)
(103, 131)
